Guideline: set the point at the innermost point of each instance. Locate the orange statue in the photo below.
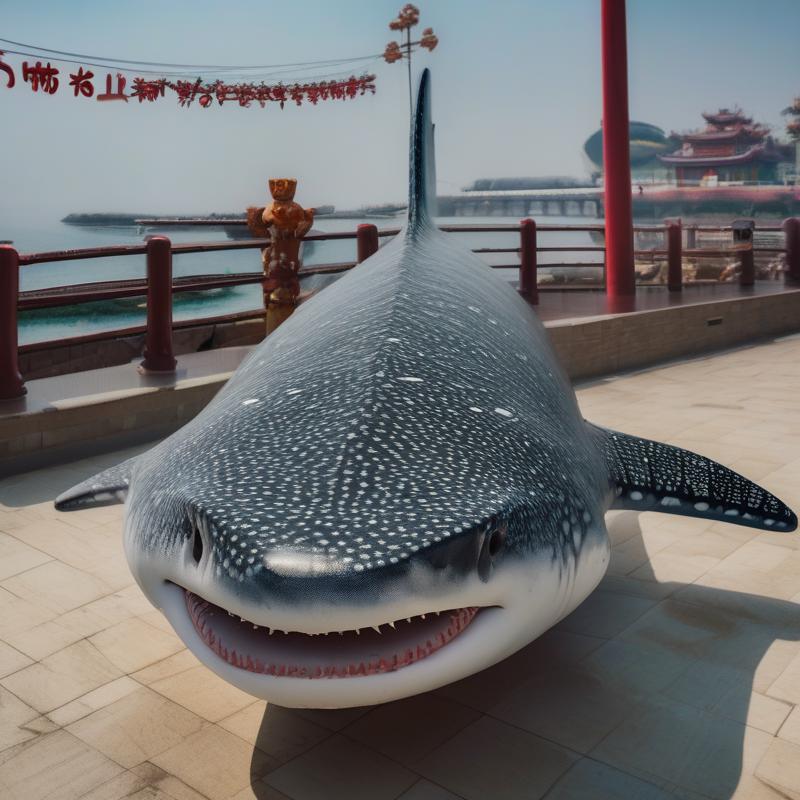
(285, 223)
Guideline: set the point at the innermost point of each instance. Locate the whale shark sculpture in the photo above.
(396, 489)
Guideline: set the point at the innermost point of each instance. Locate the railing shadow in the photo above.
(651, 680)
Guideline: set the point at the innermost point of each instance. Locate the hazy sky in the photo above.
(516, 90)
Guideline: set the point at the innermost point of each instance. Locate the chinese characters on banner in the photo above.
(45, 78)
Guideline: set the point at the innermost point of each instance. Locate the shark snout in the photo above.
(235, 559)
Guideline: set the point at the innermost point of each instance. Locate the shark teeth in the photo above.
(382, 628)
(401, 642)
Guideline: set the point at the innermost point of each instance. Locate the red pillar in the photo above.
(528, 284)
(366, 242)
(791, 230)
(11, 383)
(158, 355)
(674, 257)
(620, 274)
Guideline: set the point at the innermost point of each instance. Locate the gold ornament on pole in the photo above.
(285, 223)
(406, 20)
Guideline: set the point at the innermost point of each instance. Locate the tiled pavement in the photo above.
(678, 677)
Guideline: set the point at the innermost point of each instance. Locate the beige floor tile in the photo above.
(760, 712)
(341, 768)
(555, 650)
(425, 790)
(790, 730)
(126, 785)
(54, 766)
(11, 660)
(669, 566)
(593, 780)
(133, 644)
(281, 733)
(214, 762)
(331, 719)
(19, 615)
(43, 640)
(104, 612)
(787, 685)
(780, 768)
(163, 783)
(491, 759)
(572, 707)
(61, 677)
(259, 790)
(394, 729)
(685, 747)
(56, 586)
(94, 700)
(636, 668)
(14, 719)
(605, 614)
(202, 692)
(752, 788)
(167, 668)
(137, 727)
(16, 557)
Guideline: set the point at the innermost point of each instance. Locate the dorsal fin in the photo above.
(422, 179)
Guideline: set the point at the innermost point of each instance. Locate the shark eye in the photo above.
(197, 545)
(493, 542)
(496, 540)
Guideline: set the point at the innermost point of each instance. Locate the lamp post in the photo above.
(406, 20)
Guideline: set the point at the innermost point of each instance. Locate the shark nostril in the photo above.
(197, 545)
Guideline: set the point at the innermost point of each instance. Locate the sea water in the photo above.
(80, 320)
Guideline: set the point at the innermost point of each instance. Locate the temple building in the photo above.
(731, 148)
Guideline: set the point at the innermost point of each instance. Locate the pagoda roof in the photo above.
(756, 152)
(753, 133)
(727, 116)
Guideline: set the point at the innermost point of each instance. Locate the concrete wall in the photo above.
(603, 345)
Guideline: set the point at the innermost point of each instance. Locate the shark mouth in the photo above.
(336, 654)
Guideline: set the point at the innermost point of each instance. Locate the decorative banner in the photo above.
(45, 79)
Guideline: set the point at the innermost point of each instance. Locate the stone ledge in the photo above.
(80, 414)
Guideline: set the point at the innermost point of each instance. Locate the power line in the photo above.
(107, 62)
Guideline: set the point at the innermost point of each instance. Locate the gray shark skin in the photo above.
(396, 488)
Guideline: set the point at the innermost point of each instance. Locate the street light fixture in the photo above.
(406, 20)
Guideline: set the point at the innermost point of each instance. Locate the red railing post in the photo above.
(620, 271)
(528, 279)
(11, 383)
(366, 241)
(158, 356)
(791, 231)
(743, 234)
(674, 257)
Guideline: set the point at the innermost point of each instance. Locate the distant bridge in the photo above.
(658, 201)
(566, 202)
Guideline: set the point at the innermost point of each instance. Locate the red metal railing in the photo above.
(159, 286)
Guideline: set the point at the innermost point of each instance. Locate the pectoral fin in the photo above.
(104, 489)
(651, 476)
